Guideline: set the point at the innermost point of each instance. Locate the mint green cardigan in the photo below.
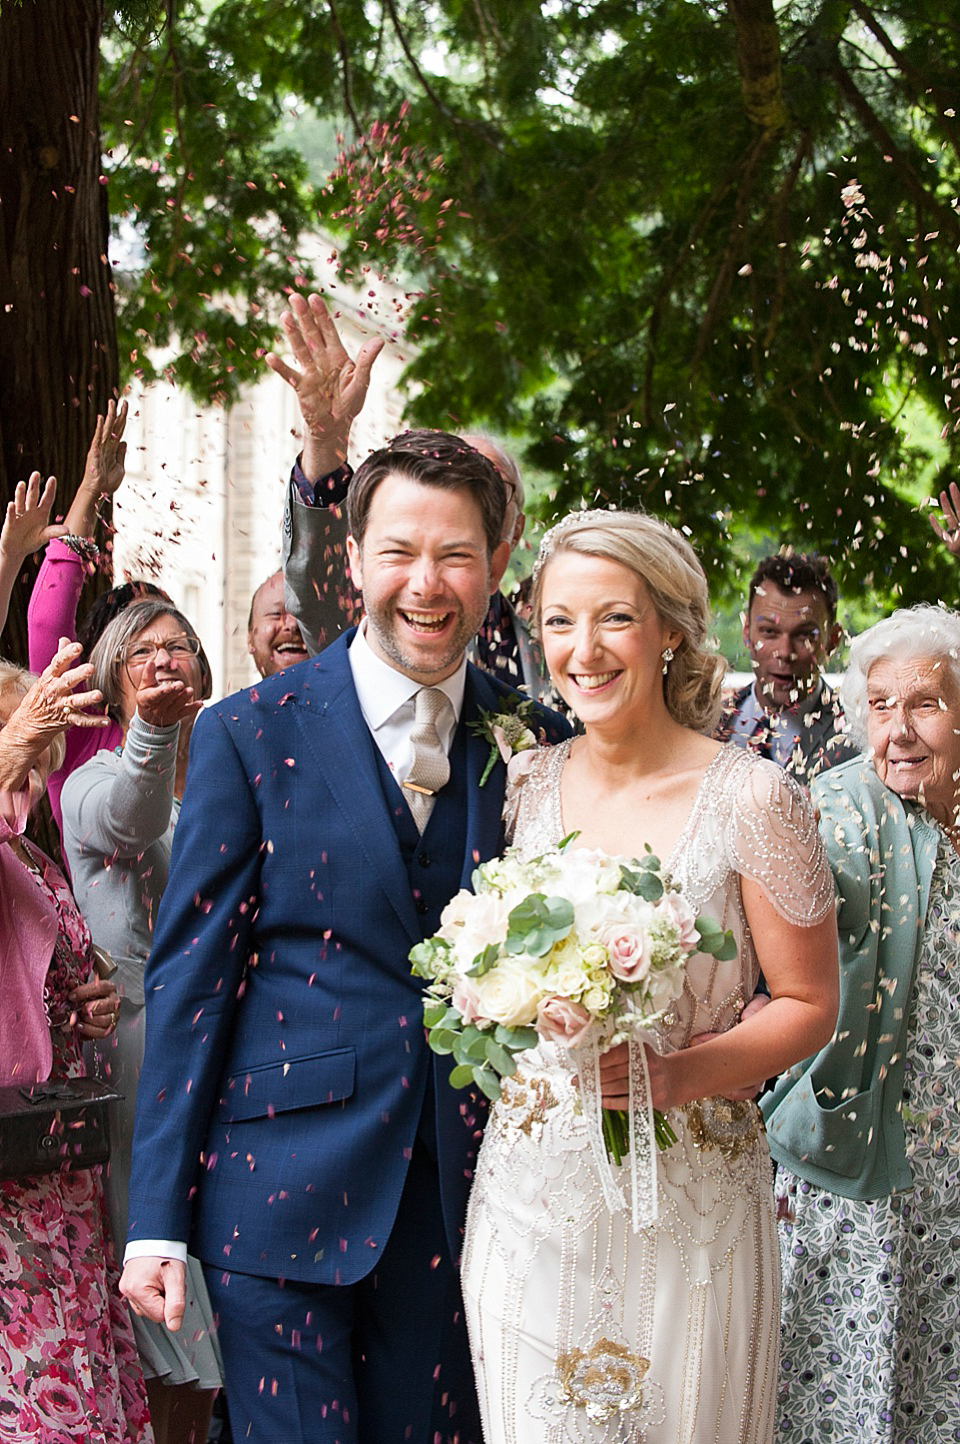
(835, 1119)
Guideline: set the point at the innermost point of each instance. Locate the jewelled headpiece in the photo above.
(567, 523)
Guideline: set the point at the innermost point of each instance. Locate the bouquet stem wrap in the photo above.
(642, 1157)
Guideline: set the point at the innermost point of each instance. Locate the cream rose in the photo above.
(509, 994)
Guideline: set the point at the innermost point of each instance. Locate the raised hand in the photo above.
(161, 704)
(27, 525)
(331, 388)
(103, 472)
(107, 454)
(950, 506)
(49, 706)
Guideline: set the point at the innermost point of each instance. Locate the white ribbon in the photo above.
(642, 1158)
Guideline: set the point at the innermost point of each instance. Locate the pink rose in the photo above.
(466, 1000)
(675, 905)
(629, 950)
(561, 1021)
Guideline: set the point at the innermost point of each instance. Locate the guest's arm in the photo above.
(26, 528)
(121, 813)
(330, 390)
(52, 612)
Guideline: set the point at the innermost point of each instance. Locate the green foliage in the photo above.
(482, 1055)
(606, 256)
(644, 882)
(535, 925)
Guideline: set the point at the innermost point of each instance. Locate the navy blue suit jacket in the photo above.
(286, 1064)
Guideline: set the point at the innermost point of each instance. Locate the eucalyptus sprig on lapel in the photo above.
(507, 732)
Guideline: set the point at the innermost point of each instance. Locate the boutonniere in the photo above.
(507, 732)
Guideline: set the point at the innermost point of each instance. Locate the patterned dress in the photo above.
(871, 1299)
(582, 1331)
(68, 1364)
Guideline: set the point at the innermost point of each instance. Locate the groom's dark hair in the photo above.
(432, 458)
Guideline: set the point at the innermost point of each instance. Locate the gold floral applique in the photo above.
(525, 1104)
(730, 1127)
(604, 1380)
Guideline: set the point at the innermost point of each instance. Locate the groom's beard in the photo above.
(422, 656)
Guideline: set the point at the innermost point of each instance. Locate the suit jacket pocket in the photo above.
(291, 1083)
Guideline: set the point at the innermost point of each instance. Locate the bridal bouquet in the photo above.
(567, 947)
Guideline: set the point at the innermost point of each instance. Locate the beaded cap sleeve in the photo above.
(774, 840)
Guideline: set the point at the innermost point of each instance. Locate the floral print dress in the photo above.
(871, 1290)
(68, 1364)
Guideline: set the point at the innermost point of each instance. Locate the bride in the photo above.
(582, 1329)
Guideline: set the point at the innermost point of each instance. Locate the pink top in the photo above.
(52, 614)
(28, 931)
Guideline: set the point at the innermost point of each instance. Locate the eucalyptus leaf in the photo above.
(462, 1076)
(484, 961)
(488, 1082)
(500, 1058)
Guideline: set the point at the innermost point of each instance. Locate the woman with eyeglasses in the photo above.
(119, 813)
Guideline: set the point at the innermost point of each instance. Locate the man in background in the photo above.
(273, 636)
(789, 713)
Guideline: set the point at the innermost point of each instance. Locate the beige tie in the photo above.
(431, 766)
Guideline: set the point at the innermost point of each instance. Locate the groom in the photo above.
(292, 1125)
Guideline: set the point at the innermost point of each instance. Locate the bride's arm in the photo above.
(801, 968)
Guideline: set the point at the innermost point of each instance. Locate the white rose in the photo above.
(596, 915)
(580, 875)
(510, 994)
(472, 922)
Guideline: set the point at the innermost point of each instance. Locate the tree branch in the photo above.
(919, 83)
(875, 127)
(347, 70)
(724, 276)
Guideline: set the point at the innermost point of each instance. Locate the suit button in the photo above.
(423, 860)
(422, 906)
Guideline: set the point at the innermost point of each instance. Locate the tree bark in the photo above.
(758, 58)
(58, 343)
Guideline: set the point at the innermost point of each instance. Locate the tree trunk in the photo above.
(758, 56)
(58, 343)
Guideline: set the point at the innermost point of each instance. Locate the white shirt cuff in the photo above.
(156, 1248)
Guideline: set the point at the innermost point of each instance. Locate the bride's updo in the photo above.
(668, 567)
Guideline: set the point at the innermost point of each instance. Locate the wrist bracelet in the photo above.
(82, 546)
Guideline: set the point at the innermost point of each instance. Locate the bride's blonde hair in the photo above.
(668, 567)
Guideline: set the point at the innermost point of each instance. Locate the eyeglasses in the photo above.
(179, 649)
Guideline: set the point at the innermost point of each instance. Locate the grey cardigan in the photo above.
(119, 813)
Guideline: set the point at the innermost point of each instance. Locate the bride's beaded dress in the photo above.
(581, 1329)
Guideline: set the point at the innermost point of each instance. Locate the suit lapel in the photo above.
(340, 743)
(484, 804)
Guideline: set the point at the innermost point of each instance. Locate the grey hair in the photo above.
(507, 466)
(17, 679)
(924, 631)
(113, 639)
(669, 568)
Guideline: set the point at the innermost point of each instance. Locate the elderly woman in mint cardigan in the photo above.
(867, 1132)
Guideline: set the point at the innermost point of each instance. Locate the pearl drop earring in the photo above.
(668, 655)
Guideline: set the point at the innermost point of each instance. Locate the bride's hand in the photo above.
(615, 1078)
